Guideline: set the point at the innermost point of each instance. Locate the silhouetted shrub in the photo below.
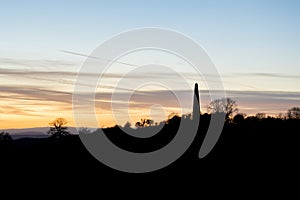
(5, 137)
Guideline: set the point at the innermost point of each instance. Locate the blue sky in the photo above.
(239, 35)
(254, 44)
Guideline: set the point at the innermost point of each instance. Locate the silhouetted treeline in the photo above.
(252, 152)
(250, 140)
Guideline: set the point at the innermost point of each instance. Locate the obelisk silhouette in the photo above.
(196, 104)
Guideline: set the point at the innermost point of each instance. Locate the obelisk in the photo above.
(196, 104)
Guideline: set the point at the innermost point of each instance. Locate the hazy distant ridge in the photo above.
(38, 132)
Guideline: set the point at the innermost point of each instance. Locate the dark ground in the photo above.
(256, 152)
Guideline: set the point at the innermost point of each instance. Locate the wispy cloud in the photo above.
(34, 94)
(15, 110)
(270, 75)
(98, 58)
(33, 64)
(35, 88)
(266, 100)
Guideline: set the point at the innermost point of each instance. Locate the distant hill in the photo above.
(37, 132)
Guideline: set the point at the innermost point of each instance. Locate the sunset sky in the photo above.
(254, 44)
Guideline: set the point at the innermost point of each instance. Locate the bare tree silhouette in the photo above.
(58, 128)
(224, 105)
(293, 113)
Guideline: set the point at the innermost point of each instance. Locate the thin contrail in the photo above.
(88, 56)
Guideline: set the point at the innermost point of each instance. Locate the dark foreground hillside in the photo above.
(260, 150)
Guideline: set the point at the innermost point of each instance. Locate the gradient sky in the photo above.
(255, 46)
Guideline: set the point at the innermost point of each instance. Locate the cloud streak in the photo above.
(98, 58)
(270, 75)
(270, 101)
(35, 88)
